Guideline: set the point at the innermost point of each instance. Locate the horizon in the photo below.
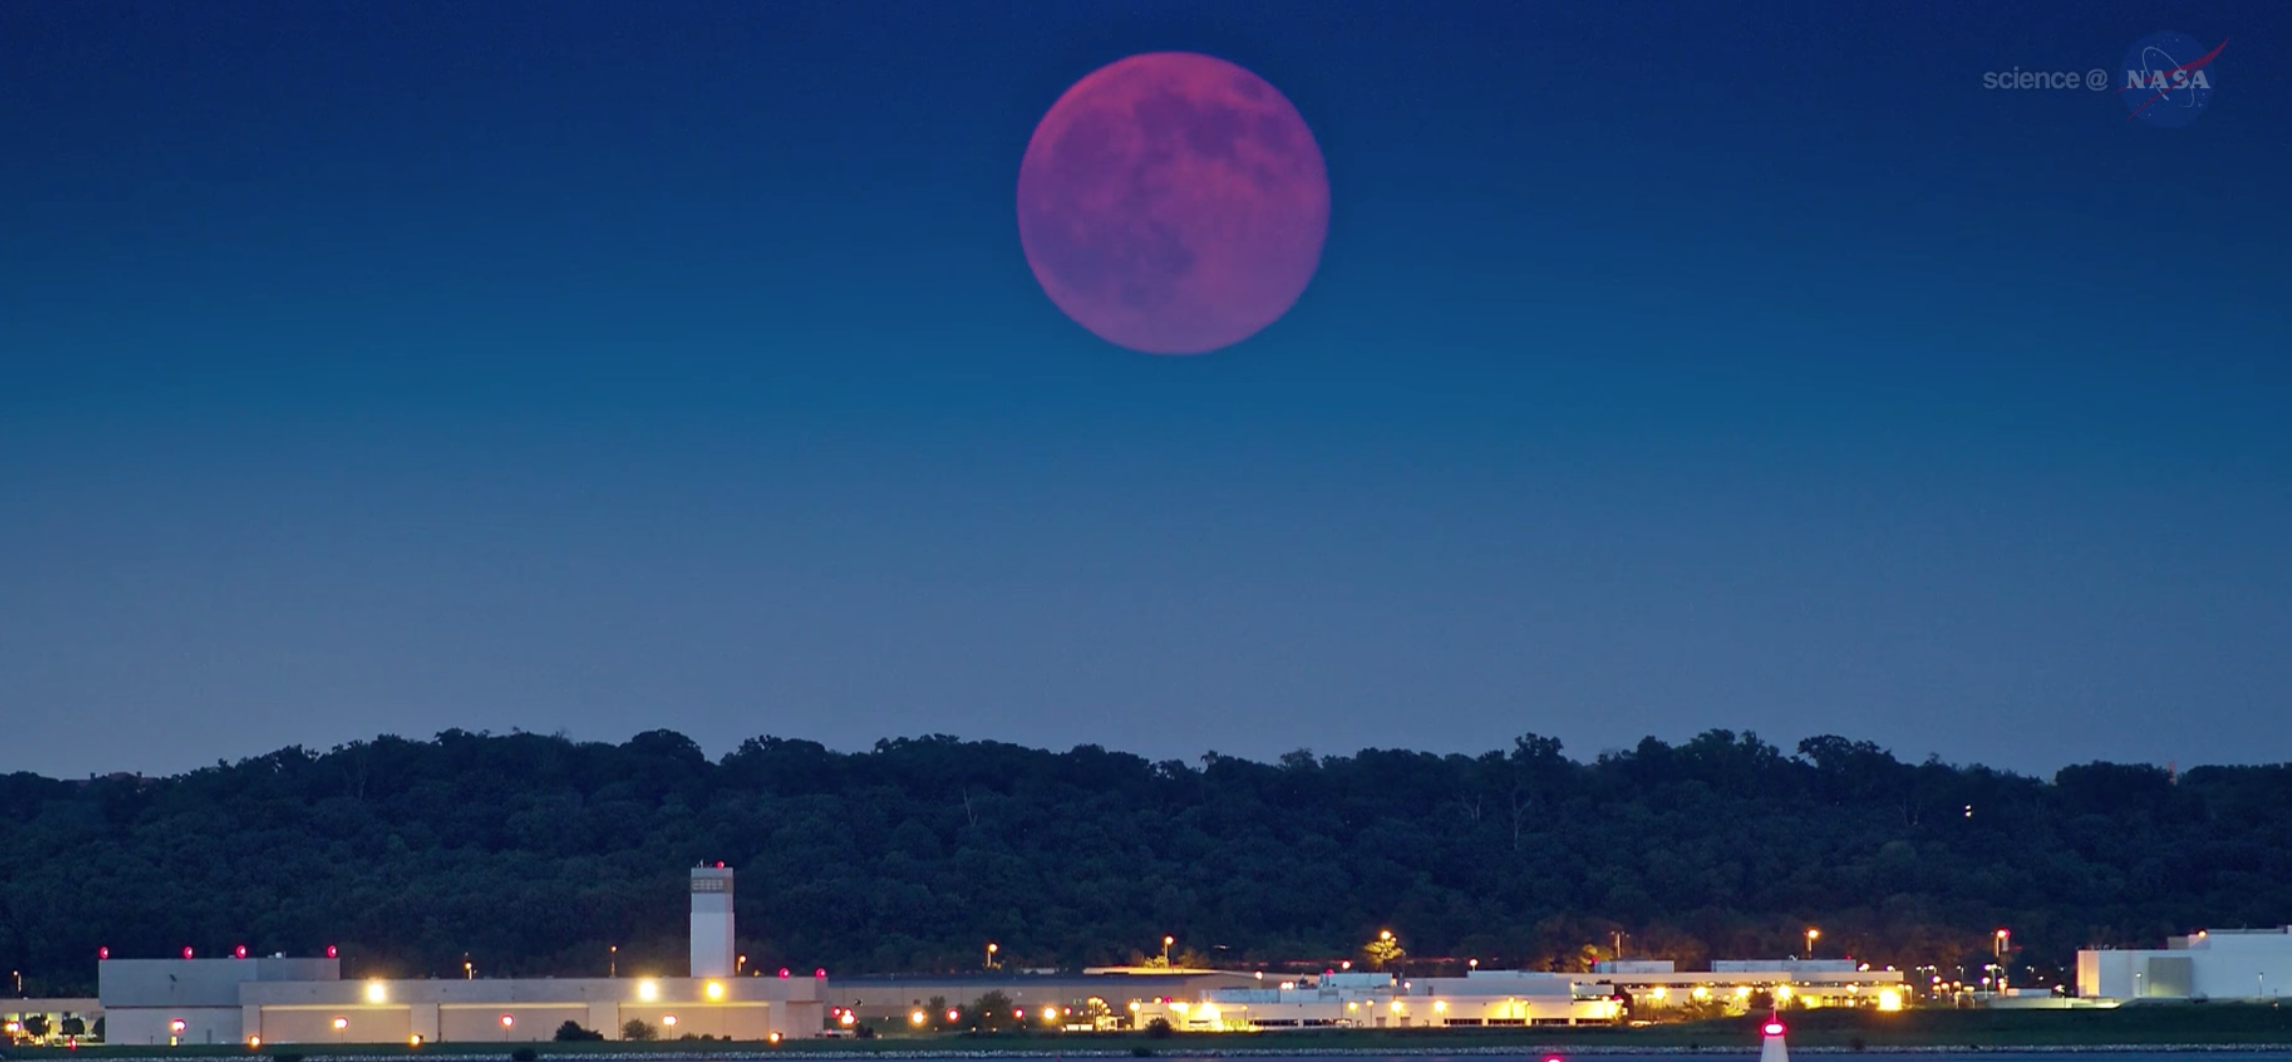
(1789, 750)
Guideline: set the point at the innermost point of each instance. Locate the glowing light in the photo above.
(1658, 993)
(846, 1018)
(414, 1040)
(669, 1020)
(507, 1021)
(783, 971)
(1134, 1006)
(821, 972)
(715, 989)
(1701, 992)
(254, 1041)
(1774, 1028)
(1396, 1006)
(186, 953)
(1050, 1013)
(1889, 999)
(917, 1018)
(175, 1026)
(1743, 991)
(1782, 991)
(331, 953)
(772, 1039)
(1209, 1012)
(376, 992)
(1440, 1006)
(341, 1024)
(1178, 1005)
(103, 953)
(239, 952)
(648, 990)
(954, 1015)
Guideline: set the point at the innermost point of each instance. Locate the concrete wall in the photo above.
(377, 1011)
(150, 1026)
(712, 929)
(198, 982)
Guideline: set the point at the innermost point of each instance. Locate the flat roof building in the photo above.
(2207, 964)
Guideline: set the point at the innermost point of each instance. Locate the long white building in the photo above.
(2208, 964)
(282, 1000)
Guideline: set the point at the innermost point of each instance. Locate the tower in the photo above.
(712, 945)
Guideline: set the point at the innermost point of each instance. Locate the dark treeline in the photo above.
(532, 855)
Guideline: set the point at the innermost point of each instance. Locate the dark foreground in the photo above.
(2219, 1026)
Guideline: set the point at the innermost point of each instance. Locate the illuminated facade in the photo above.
(279, 1000)
(1380, 1001)
(1657, 984)
(2209, 964)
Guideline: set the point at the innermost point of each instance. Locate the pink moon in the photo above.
(1173, 203)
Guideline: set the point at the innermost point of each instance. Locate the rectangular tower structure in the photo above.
(712, 945)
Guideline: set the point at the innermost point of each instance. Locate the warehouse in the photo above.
(284, 1000)
(2208, 964)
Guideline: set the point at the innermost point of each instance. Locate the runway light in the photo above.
(1774, 1028)
(376, 992)
(648, 990)
(715, 990)
(954, 1015)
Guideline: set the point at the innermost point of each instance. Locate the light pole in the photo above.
(612, 960)
(1812, 935)
(469, 970)
(992, 948)
(1166, 942)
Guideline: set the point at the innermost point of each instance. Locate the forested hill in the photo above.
(533, 855)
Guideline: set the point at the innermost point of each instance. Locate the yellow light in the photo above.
(1701, 992)
(1133, 1006)
(252, 1041)
(1889, 999)
(669, 1019)
(1050, 1013)
(1742, 991)
(414, 1040)
(774, 1038)
(341, 1024)
(648, 990)
(1658, 993)
(917, 1018)
(1440, 1006)
(846, 1018)
(1385, 935)
(1782, 991)
(507, 1021)
(1209, 1012)
(1178, 1005)
(376, 992)
(1396, 1006)
(715, 990)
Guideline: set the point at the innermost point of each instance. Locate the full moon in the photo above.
(1173, 203)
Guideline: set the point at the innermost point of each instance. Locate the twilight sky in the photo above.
(571, 365)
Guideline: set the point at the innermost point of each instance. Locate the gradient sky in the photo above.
(567, 365)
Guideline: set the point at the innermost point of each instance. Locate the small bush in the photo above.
(572, 1032)
(636, 1029)
(1158, 1029)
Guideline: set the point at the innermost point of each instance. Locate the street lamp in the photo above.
(992, 948)
(612, 960)
(1812, 935)
(1166, 942)
(469, 971)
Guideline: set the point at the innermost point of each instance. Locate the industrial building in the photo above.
(1376, 1001)
(1655, 984)
(281, 1000)
(2221, 964)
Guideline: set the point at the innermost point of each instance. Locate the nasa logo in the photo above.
(2166, 79)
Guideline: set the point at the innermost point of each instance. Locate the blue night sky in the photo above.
(394, 366)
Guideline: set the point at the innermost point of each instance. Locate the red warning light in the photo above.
(1774, 1028)
(821, 972)
(783, 971)
(186, 953)
(330, 952)
(720, 864)
(239, 952)
(102, 954)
